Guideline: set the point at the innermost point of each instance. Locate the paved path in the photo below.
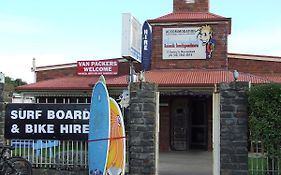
(172, 163)
(185, 163)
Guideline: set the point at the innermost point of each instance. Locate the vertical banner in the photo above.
(146, 46)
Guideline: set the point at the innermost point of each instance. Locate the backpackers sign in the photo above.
(47, 121)
(102, 67)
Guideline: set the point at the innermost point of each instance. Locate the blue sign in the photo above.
(146, 46)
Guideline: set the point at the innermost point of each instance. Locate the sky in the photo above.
(67, 31)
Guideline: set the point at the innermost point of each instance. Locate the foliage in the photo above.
(16, 82)
(9, 87)
(265, 116)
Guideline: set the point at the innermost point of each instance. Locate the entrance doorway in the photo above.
(189, 124)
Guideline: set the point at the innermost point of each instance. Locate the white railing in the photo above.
(53, 154)
(259, 163)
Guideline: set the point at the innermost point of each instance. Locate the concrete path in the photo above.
(172, 163)
(185, 163)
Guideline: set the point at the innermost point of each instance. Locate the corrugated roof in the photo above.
(164, 78)
(275, 78)
(64, 83)
(181, 78)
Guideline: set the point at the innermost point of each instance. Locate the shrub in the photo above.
(265, 116)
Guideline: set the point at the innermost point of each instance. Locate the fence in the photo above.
(260, 163)
(53, 154)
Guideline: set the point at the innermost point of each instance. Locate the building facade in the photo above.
(189, 60)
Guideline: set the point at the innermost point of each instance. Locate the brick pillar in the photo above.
(234, 128)
(141, 126)
(2, 112)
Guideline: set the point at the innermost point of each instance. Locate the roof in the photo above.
(191, 17)
(64, 83)
(276, 78)
(254, 57)
(164, 78)
(191, 78)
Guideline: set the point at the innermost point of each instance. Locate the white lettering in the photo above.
(69, 114)
(28, 128)
(14, 114)
(74, 128)
(60, 114)
(63, 128)
(51, 114)
(39, 128)
(25, 114)
(86, 115)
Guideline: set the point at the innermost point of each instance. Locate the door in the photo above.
(179, 128)
(198, 124)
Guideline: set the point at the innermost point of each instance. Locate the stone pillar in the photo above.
(141, 126)
(2, 112)
(234, 128)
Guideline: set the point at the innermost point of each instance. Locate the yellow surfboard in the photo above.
(117, 142)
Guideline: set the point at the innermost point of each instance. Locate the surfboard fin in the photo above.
(102, 79)
(114, 171)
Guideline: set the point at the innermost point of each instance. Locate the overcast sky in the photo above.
(66, 31)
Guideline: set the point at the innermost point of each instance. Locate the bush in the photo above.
(265, 116)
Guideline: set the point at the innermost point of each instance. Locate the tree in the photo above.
(9, 87)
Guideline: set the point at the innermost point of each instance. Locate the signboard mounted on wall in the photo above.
(188, 43)
(95, 67)
(131, 37)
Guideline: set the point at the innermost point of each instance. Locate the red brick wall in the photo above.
(198, 6)
(254, 66)
(218, 60)
(57, 73)
(123, 69)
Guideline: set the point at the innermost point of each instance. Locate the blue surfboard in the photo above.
(99, 131)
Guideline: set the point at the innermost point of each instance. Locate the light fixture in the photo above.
(235, 75)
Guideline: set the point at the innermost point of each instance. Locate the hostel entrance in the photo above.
(189, 123)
